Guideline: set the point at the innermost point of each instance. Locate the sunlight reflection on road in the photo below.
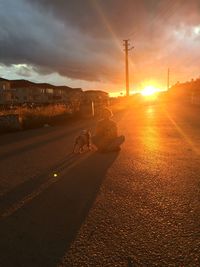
(150, 134)
(150, 139)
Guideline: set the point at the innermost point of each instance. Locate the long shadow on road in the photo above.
(33, 183)
(51, 136)
(40, 232)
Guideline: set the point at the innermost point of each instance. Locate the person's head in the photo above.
(106, 113)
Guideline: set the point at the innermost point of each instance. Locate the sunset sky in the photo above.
(80, 42)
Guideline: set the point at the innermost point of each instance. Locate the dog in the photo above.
(82, 140)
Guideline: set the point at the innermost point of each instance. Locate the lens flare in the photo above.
(149, 90)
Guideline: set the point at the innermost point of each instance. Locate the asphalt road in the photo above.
(138, 207)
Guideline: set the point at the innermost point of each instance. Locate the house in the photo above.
(23, 91)
(18, 92)
(4, 84)
(93, 101)
(5, 92)
(96, 96)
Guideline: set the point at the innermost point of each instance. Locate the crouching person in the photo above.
(106, 137)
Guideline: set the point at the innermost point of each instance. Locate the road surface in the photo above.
(138, 207)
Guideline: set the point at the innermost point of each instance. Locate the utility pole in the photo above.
(168, 75)
(127, 49)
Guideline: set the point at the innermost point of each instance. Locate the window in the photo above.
(49, 91)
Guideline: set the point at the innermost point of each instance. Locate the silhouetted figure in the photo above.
(106, 137)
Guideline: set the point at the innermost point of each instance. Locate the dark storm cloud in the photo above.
(81, 39)
(98, 18)
(122, 15)
(31, 37)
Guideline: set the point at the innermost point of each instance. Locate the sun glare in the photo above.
(149, 90)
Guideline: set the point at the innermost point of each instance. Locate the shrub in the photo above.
(39, 116)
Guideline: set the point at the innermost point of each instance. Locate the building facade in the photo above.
(5, 92)
(18, 92)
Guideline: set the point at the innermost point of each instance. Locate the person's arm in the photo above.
(114, 130)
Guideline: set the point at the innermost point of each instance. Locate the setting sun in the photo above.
(149, 90)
